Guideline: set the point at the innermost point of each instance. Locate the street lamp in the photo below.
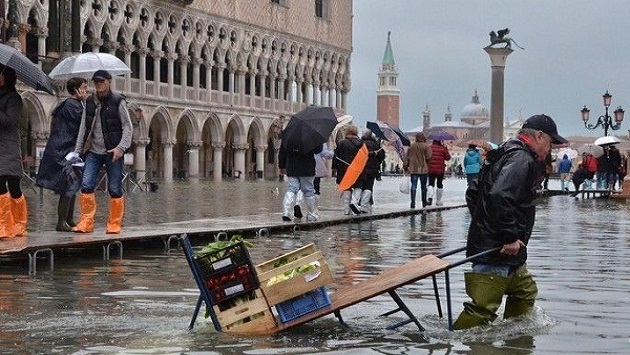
(605, 121)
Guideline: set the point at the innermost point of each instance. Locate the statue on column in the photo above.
(500, 37)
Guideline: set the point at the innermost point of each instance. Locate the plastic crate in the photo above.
(232, 282)
(237, 255)
(304, 304)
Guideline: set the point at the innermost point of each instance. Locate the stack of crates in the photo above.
(301, 294)
(234, 290)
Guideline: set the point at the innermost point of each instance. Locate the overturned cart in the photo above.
(241, 297)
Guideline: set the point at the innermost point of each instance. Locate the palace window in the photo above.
(321, 8)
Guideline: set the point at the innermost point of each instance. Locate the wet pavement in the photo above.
(142, 303)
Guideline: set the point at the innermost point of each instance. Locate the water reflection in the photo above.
(143, 302)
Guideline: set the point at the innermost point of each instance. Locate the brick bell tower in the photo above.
(388, 91)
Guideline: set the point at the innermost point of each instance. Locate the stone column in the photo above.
(217, 160)
(252, 87)
(193, 158)
(42, 33)
(171, 57)
(239, 160)
(315, 88)
(231, 84)
(183, 69)
(498, 57)
(23, 29)
(220, 69)
(260, 161)
(331, 91)
(298, 92)
(40, 138)
(209, 65)
(263, 87)
(196, 64)
(286, 83)
(157, 56)
(142, 52)
(168, 159)
(139, 159)
(128, 49)
(308, 90)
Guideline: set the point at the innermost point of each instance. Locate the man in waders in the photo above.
(503, 213)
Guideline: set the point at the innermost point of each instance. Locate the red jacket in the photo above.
(439, 154)
(590, 163)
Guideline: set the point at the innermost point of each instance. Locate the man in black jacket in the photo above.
(503, 214)
(300, 171)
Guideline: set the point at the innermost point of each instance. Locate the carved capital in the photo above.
(197, 61)
(241, 146)
(194, 144)
(157, 54)
(169, 142)
(171, 56)
(41, 32)
(184, 59)
(24, 28)
(113, 45)
(40, 136)
(260, 148)
(143, 51)
(141, 142)
(218, 145)
(96, 42)
(128, 48)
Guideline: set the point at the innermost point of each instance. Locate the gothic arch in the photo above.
(166, 122)
(187, 117)
(236, 123)
(36, 114)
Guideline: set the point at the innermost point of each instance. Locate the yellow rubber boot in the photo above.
(116, 212)
(6, 217)
(486, 292)
(88, 211)
(20, 216)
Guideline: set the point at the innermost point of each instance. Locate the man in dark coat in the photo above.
(345, 152)
(300, 171)
(502, 206)
(55, 171)
(362, 193)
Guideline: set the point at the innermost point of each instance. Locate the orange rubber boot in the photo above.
(6, 217)
(116, 212)
(20, 216)
(88, 211)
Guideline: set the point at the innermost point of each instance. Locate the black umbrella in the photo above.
(442, 136)
(379, 128)
(26, 70)
(309, 129)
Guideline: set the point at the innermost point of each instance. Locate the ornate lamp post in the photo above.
(604, 121)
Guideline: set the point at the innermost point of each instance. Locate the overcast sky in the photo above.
(575, 50)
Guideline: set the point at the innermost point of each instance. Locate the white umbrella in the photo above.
(606, 140)
(591, 149)
(85, 64)
(571, 153)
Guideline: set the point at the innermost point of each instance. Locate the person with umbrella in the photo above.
(437, 166)
(345, 152)
(55, 171)
(614, 161)
(13, 209)
(362, 194)
(106, 129)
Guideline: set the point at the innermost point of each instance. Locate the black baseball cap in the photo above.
(546, 125)
(101, 74)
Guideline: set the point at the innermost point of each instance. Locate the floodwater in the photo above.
(142, 303)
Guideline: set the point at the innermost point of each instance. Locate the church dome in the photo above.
(475, 110)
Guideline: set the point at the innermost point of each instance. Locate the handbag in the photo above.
(404, 184)
(88, 141)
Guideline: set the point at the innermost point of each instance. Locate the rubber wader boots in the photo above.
(439, 197)
(430, 198)
(366, 196)
(116, 212)
(311, 208)
(20, 216)
(62, 214)
(487, 291)
(346, 198)
(88, 211)
(297, 208)
(356, 201)
(70, 216)
(287, 205)
(6, 217)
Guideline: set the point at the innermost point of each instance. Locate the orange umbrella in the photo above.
(355, 168)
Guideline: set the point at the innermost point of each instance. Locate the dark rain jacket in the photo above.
(10, 116)
(502, 203)
(345, 151)
(64, 128)
(376, 155)
(297, 164)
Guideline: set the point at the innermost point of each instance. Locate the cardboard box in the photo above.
(298, 285)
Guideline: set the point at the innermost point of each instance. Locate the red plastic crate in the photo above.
(302, 305)
(232, 282)
(209, 263)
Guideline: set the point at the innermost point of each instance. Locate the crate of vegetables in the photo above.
(219, 255)
(293, 274)
(231, 282)
(247, 313)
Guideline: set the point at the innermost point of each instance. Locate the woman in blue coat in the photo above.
(472, 163)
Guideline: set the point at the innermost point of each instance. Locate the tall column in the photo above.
(263, 87)
(183, 70)
(220, 69)
(286, 83)
(168, 159)
(142, 52)
(260, 161)
(171, 73)
(128, 49)
(298, 92)
(239, 160)
(139, 159)
(157, 56)
(231, 84)
(41, 139)
(307, 98)
(498, 57)
(338, 96)
(217, 160)
(315, 99)
(209, 65)
(252, 87)
(331, 91)
(42, 33)
(13, 24)
(196, 64)
(193, 158)
(241, 85)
